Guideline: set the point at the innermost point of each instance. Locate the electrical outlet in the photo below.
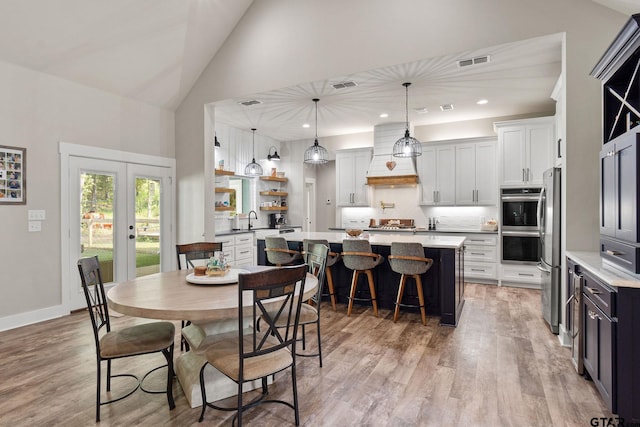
(35, 226)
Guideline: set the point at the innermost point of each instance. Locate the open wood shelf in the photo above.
(224, 172)
(274, 193)
(273, 178)
(225, 208)
(225, 190)
(274, 208)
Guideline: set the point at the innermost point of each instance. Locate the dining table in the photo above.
(211, 304)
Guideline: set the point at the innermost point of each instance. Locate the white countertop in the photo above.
(592, 261)
(382, 239)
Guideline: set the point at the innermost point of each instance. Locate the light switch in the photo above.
(35, 226)
(37, 215)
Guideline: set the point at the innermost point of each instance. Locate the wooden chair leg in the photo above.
(396, 312)
(423, 313)
(332, 292)
(372, 290)
(352, 293)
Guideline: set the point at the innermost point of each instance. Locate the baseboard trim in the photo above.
(31, 317)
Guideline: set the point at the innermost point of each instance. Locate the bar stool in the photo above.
(278, 252)
(332, 259)
(408, 259)
(357, 256)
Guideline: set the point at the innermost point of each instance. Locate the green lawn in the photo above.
(143, 259)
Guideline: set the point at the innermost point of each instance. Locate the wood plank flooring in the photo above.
(500, 367)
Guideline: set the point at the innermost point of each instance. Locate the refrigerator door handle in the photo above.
(540, 215)
(542, 267)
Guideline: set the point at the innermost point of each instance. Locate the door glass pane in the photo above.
(147, 226)
(96, 213)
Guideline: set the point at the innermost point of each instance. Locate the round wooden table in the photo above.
(168, 296)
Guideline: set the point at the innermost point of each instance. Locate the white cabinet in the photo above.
(527, 150)
(351, 177)
(243, 249)
(480, 257)
(520, 274)
(238, 249)
(436, 168)
(475, 178)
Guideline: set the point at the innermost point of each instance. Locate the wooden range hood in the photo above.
(392, 180)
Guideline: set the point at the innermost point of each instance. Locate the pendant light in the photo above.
(316, 154)
(407, 146)
(253, 168)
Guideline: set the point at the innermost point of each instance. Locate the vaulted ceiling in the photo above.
(154, 50)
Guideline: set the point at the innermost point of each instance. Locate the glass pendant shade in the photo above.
(316, 154)
(253, 168)
(407, 146)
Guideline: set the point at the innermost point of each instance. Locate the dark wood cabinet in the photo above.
(599, 349)
(619, 161)
(619, 198)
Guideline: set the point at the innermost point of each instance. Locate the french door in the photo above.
(120, 212)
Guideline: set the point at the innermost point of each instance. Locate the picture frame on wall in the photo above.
(13, 175)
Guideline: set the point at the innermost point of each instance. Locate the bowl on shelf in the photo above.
(280, 174)
(353, 232)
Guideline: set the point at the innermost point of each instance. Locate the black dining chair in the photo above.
(127, 342)
(193, 252)
(250, 354)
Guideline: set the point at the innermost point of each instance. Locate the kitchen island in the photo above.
(443, 284)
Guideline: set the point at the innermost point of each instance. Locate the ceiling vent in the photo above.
(343, 85)
(474, 61)
(446, 107)
(250, 102)
(421, 110)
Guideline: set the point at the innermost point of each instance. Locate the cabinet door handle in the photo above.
(477, 253)
(477, 269)
(614, 253)
(434, 196)
(592, 291)
(526, 274)
(593, 315)
(523, 179)
(438, 196)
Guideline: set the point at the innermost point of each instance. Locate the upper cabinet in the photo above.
(526, 150)
(459, 173)
(436, 168)
(351, 177)
(476, 182)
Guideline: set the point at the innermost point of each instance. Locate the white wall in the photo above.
(279, 43)
(37, 111)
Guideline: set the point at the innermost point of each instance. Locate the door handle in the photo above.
(592, 291)
(593, 315)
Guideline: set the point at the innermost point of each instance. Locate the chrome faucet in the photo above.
(249, 218)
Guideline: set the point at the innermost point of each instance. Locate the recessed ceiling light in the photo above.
(384, 115)
(446, 107)
(421, 110)
(306, 125)
(482, 102)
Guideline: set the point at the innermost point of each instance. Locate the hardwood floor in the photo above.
(500, 367)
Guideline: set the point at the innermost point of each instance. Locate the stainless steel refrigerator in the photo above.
(550, 260)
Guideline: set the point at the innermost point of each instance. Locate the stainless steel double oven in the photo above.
(519, 229)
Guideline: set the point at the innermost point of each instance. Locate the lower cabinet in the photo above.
(521, 274)
(599, 339)
(480, 257)
(610, 327)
